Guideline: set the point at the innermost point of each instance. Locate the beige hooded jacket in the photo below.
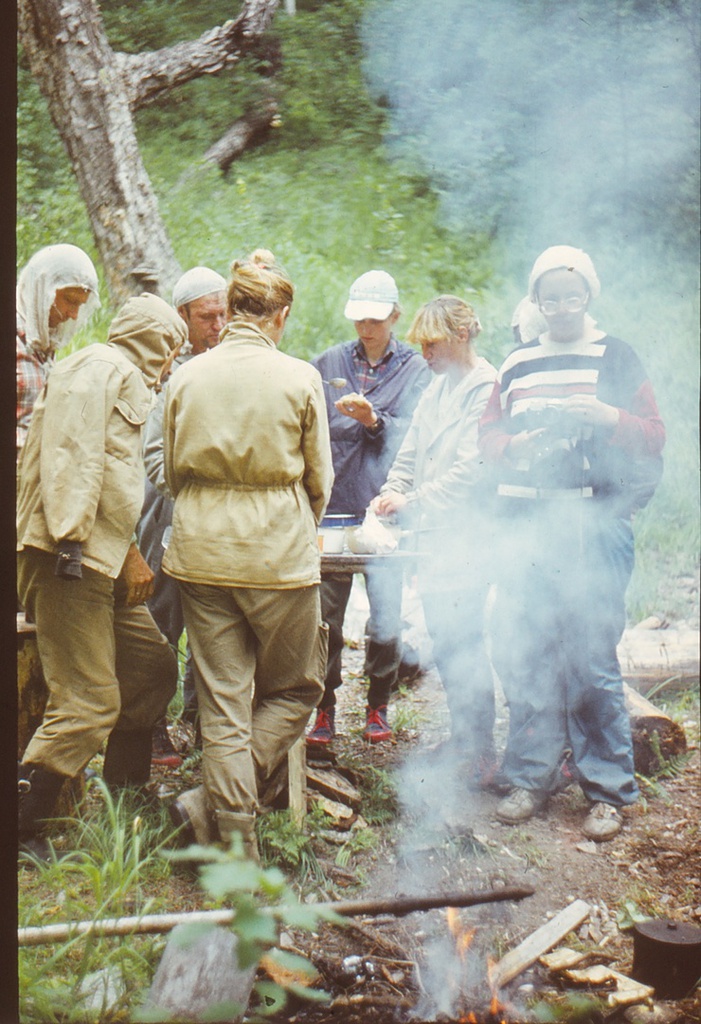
(81, 474)
(248, 460)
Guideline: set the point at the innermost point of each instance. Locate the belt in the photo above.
(518, 491)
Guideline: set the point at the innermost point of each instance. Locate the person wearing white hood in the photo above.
(109, 672)
(199, 297)
(437, 484)
(56, 294)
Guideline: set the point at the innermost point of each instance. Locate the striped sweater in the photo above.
(619, 466)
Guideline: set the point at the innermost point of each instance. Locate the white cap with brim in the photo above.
(195, 284)
(372, 296)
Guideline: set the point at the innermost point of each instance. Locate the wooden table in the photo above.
(347, 564)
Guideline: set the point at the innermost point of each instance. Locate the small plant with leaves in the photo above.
(283, 841)
(360, 840)
(262, 902)
(379, 791)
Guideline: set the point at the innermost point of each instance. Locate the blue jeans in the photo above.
(455, 622)
(558, 618)
(384, 646)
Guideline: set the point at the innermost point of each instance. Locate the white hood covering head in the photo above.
(563, 257)
(52, 268)
(195, 284)
(529, 320)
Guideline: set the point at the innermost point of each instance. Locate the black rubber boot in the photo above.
(128, 759)
(38, 792)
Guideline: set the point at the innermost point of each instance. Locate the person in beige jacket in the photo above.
(248, 460)
(108, 670)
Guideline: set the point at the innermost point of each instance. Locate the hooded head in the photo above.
(563, 257)
(50, 270)
(147, 330)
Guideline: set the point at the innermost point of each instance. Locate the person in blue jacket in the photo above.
(385, 378)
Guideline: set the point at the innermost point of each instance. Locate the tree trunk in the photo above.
(91, 92)
(71, 60)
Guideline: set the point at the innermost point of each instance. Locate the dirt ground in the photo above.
(446, 839)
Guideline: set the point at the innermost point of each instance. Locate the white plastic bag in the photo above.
(372, 537)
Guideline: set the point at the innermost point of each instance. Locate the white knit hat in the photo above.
(196, 283)
(563, 257)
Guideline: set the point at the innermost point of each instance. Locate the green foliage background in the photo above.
(336, 190)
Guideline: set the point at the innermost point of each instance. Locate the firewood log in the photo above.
(654, 733)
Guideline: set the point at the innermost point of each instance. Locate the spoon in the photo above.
(336, 382)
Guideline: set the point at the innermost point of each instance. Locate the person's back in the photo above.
(243, 478)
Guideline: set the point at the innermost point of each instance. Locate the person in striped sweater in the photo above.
(574, 438)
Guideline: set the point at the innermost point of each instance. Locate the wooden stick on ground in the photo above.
(156, 923)
(543, 939)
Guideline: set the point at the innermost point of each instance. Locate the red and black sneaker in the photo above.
(163, 753)
(324, 728)
(376, 725)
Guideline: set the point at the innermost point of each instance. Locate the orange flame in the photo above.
(495, 1007)
(463, 936)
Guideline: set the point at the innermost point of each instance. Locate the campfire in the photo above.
(463, 938)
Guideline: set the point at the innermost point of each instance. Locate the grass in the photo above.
(118, 871)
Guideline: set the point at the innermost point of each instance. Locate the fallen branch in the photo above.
(376, 939)
(158, 923)
(249, 130)
(387, 1002)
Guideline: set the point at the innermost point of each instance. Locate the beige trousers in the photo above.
(104, 664)
(261, 658)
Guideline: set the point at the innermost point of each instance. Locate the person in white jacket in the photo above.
(437, 484)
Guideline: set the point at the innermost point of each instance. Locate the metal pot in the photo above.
(667, 956)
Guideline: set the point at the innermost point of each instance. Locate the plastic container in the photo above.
(332, 532)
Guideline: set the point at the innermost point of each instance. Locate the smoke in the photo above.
(556, 120)
(540, 123)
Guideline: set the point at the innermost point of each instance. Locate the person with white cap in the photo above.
(574, 435)
(199, 297)
(56, 294)
(386, 378)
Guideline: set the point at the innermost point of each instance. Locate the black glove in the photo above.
(70, 556)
